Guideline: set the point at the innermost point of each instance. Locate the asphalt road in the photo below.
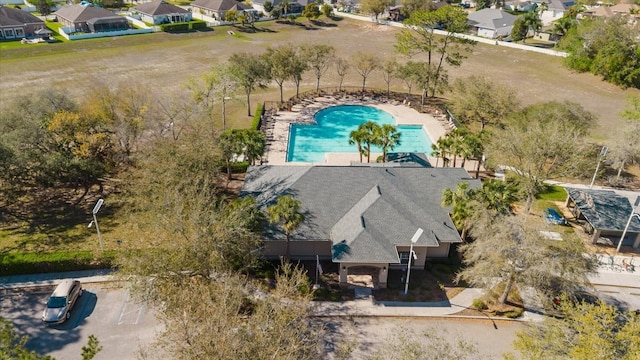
(104, 310)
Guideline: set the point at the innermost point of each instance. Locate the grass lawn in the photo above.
(164, 62)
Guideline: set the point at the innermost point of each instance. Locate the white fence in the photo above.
(67, 33)
(465, 36)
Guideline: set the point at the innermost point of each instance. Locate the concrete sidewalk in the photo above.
(48, 279)
(368, 307)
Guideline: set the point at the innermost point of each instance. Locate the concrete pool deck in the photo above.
(278, 131)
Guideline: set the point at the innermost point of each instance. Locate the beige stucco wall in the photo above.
(383, 272)
(441, 251)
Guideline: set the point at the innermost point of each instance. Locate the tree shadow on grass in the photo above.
(322, 23)
(252, 29)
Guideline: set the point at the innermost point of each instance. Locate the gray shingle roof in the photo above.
(220, 5)
(82, 13)
(491, 19)
(16, 17)
(604, 209)
(159, 7)
(366, 211)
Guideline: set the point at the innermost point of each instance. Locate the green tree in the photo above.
(498, 196)
(44, 6)
(459, 201)
(319, 58)
(311, 11)
(220, 84)
(268, 6)
(606, 48)
(250, 71)
(327, 10)
(255, 144)
(281, 60)
(286, 213)
(359, 137)
(418, 37)
(387, 137)
(231, 16)
(92, 348)
(411, 6)
(375, 7)
(519, 30)
(531, 21)
(478, 100)
(369, 132)
(365, 64)
(231, 144)
(544, 141)
(12, 345)
(298, 65)
(406, 72)
(587, 332)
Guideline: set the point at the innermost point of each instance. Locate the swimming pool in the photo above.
(309, 143)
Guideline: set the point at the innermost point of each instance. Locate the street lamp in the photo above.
(414, 239)
(636, 206)
(603, 152)
(95, 221)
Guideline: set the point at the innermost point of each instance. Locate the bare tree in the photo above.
(365, 64)
(512, 250)
(541, 142)
(342, 66)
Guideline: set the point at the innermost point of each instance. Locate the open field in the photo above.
(164, 62)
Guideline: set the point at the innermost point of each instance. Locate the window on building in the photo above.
(19, 32)
(404, 257)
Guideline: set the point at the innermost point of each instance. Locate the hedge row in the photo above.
(255, 124)
(59, 261)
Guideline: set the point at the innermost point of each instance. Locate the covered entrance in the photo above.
(373, 276)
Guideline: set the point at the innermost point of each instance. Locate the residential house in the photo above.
(160, 12)
(554, 11)
(604, 215)
(218, 8)
(89, 18)
(17, 24)
(294, 6)
(361, 217)
(632, 10)
(491, 23)
(519, 5)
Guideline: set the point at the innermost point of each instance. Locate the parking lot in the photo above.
(104, 310)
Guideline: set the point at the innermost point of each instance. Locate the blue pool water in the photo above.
(309, 143)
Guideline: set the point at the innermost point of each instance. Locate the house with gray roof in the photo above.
(491, 23)
(90, 18)
(161, 12)
(17, 24)
(361, 216)
(604, 215)
(218, 8)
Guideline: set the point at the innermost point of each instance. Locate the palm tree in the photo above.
(370, 130)
(459, 200)
(358, 137)
(286, 212)
(441, 149)
(387, 138)
(254, 145)
(456, 138)
(498, 195)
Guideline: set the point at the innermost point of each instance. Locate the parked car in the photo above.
(61, 302)
(552, 217)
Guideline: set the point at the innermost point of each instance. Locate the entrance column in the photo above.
(344, 271)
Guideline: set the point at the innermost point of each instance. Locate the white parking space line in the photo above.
(131, 313)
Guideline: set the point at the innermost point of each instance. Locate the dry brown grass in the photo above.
(164, 62)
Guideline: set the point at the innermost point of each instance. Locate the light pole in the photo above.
(414, 239)
(95, 221)
(603, 152)
(636, 206)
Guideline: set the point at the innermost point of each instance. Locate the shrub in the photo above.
(255, 124)
(176, 27)
(514, 314)
(479, 304)
(198, 24)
